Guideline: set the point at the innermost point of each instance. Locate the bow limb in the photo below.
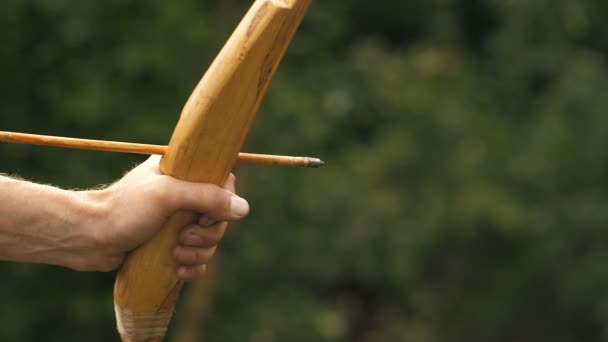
(203, 148)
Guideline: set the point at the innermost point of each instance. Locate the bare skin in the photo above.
(93, 230)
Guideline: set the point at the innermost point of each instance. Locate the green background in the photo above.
(465, 196)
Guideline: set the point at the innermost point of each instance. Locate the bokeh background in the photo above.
(465, 196)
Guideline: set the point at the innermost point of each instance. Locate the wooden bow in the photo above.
(203, 148)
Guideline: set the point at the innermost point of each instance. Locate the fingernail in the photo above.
(239, 206)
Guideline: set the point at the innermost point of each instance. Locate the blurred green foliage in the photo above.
(465, 197)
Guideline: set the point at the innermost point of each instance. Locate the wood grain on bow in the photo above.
(204, 147)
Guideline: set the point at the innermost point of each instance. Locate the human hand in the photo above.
(132, 210)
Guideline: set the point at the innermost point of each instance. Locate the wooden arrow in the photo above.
(126, 147)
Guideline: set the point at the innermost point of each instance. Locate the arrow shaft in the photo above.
(136, 148)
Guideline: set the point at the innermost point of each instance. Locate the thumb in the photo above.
(216, 203)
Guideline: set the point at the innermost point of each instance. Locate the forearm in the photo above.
(44, 224)
(93, 230)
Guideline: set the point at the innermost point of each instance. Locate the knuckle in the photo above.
(180, 254)
(193, 256)
(219, 200)
(206, 241)
(204, 236)
(162, 190)
(198, 256)
(205, 255)
(191, 236)
(210, 240)
(177, 253)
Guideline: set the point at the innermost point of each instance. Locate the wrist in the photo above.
(93, 206)
(65, 228)
(92, 220)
